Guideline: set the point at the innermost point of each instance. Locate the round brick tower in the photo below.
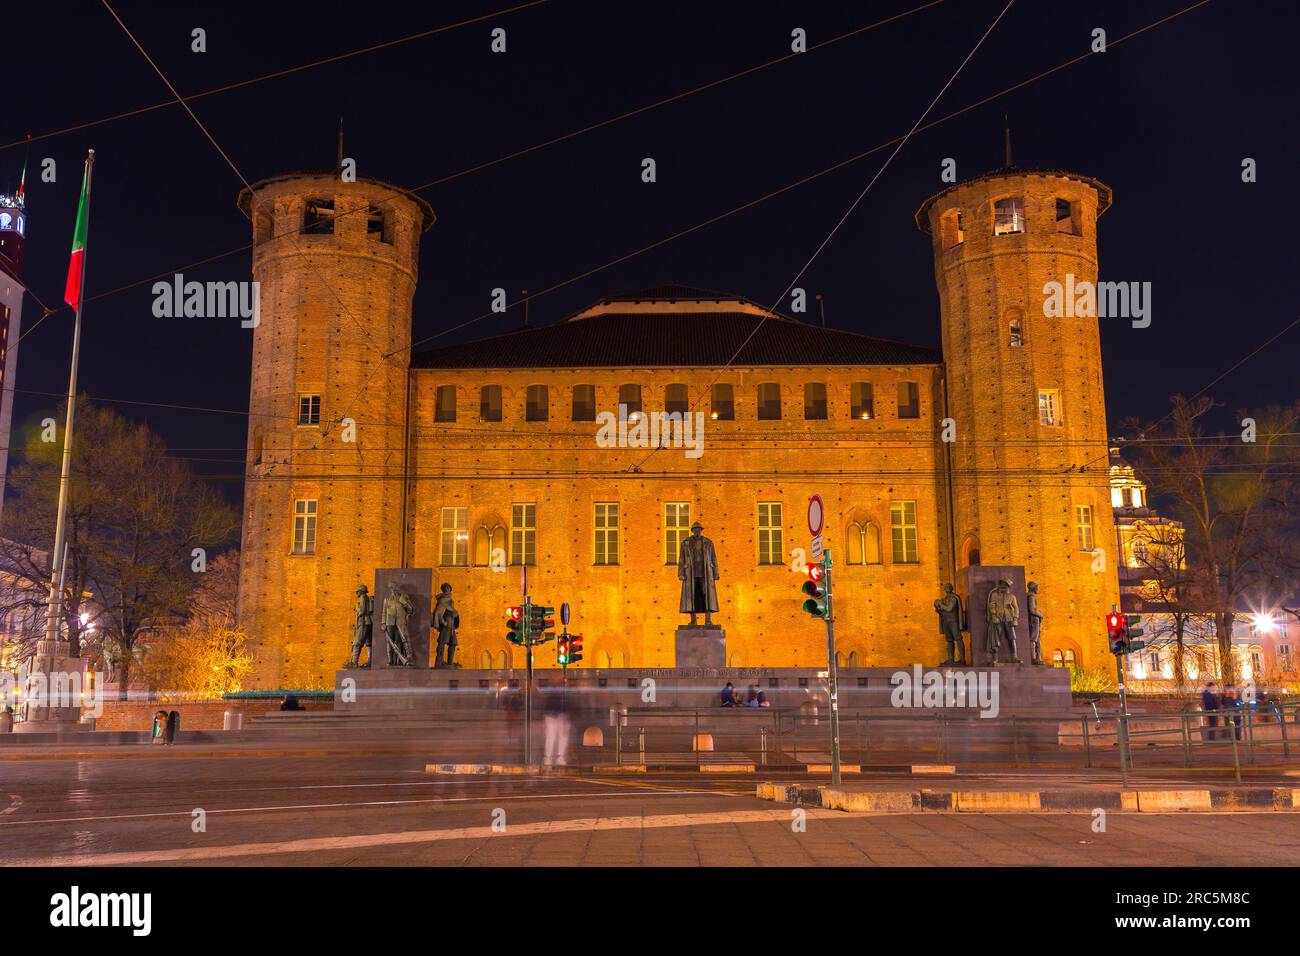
(1029, 475)
(337, 265)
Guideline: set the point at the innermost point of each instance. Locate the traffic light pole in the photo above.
(833, 675)
(528, 687)
(1123, 720)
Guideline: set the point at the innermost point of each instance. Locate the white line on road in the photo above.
(492, 798)
(404, 837)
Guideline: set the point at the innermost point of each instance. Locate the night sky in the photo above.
(1164, 118)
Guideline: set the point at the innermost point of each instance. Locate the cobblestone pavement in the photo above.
(386, 811)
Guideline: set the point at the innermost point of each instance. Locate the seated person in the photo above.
(728, 695)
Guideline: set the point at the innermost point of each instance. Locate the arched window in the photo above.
(864, 543)
(1069, 217)
(769, 402)
(1069, 657)
(853, 658)
(258, 442)
(724, 403)
(584, 403)
(445, 408)
(1008, 216)
(735, 660)
(489, 403)
(1058, 658)
(839, 658)
(538, 405)
(503, 660)
(950, 230)
(486, 540)
(264, 229)
(1015, 337)
(814, 401)
(970, 552)
(485, 660)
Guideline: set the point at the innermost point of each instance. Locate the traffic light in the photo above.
(540, 622)
(562, 651)
(515, 625)
(575, 648)
(816, 603)
(1133, 629)
(1116, 628)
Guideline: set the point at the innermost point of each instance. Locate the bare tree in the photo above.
(135, 517)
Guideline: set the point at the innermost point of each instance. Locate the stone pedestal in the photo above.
(52, 692)
(701, 646)
(417, 583)
(974, 584)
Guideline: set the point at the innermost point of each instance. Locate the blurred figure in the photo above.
(728, 695)
(291, 703)
(555, 716)
(1209, 704)
(751, 696)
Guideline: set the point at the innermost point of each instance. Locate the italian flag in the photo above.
(72, 292)
(22, 184)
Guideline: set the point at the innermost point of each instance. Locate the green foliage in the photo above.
(1098, 681)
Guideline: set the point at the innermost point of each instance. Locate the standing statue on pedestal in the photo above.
(951, 623)
(446, 619)
(362, 631)
(1003, 616)
(1035, 625)
(697, 569)
(397, 609)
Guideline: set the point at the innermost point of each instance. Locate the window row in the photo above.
(518, 544)
(722, 403)
(1009, 219)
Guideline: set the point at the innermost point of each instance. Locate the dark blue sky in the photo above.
(1164, 118)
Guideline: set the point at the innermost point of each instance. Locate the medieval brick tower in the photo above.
(337, 267)
(1029, 464)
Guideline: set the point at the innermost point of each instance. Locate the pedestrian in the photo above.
(751, 696)
(762, 699)
(1210, 704)
(728, 695)
(291, 703)
(1233, 704)
(555, 717)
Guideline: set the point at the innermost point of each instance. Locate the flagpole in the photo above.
(55, 611)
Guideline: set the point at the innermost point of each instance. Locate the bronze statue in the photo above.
(446, 619)
(1003, 616)
(697, 569)
(1035, 625)
(362, 630)
(951, 623)
(397, 609)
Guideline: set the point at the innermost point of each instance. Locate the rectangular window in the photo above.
(814, 401)
(902, 520)
(584, 403)
(1083, 522)
(769, 402)
(677, 525)
(1049, 407)
(606, 532)
(1067, 217)
(318, 217)
(538, 405)
(1008, 216)
(864, 402)
(523, 534)
(308, 409)
(771, 547)
(630, 397)
(909, 400)
(677, 399)
(724, 403)
(489, 403)
(1284, 657)
(455, 537)
(377, 225)
(304, 526)
(444, 409)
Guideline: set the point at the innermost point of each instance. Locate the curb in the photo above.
(1031, 801)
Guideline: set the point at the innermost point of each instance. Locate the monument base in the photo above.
(704, 645)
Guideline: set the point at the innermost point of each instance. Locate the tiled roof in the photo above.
(632, 339)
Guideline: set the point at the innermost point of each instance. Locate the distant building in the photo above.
(13, 239)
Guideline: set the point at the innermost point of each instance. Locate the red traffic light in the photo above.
(816, 573)
(514, 613)
(1115, 623)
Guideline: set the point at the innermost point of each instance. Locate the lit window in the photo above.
(902, 520)
(1015, 338)
(864, 544)
(304, 526)
(1083, 524)
(770, 544)
(1117, 497)
(814, 401)
(455, 537)
(1049, 407)
(584, 403)
(676, 399)
(909, 400)
(1058, 658)
(487, 540)
(444, 409)
(537, 407)
(724, 403)
(677, 525)
(489, 403)
(308, 409)
(769, 402)
(1137, 497)
(1008, 216)
(863, 401)
(1069, 657)
(523, 534)
(606, 532)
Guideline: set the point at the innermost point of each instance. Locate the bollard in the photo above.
(593, 737)
(640, 744)
(762, 746)
(233, 719)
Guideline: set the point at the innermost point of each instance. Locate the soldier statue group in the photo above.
(697, 569)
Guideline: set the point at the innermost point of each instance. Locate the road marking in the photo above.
(490, 798)
(406, 837)
(17, 802)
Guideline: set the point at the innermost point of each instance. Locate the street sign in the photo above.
(817, 551)
(815, 516)
(564, 614)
